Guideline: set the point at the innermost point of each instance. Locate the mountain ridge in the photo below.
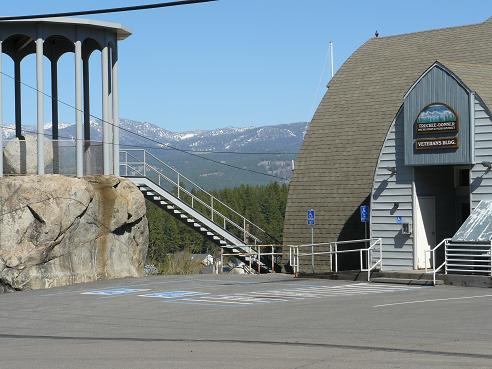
(220, 144)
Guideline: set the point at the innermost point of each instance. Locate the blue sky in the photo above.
(233, 62)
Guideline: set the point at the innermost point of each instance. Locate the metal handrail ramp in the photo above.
(469, 252)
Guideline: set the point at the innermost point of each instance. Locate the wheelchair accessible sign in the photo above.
(310, 216)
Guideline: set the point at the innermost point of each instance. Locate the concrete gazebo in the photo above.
(53, 37)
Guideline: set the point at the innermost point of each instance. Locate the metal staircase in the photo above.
(195, 207)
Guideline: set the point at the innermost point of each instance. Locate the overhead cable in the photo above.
(105, 11)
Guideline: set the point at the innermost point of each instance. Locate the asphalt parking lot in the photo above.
(270, 321)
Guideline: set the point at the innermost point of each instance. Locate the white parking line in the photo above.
(293, 294)
(433, 300)
(214, 300)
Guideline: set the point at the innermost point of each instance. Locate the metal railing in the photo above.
(468, 258)
(141, 163)
(254, 255)
(375, 245)
(60, 157)
(432, 257)
(461, 258)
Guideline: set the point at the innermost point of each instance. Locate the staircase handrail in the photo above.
(193, 196)
(196, 199)
(433, 255)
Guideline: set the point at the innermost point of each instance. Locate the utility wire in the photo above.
(71, 138)
(323, 71)
(148, 138)
(105, 11)
(162, 148)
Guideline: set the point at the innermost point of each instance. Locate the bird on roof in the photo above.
(376, 34)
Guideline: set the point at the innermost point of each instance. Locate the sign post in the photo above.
(311, 221)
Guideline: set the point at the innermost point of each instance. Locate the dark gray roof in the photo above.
(335, 167)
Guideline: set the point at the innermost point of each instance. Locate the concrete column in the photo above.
(87, 102)
(1, 113)
(54, 115)
(18, 101)
(87, 114)
(107, 169)
(40, 103)
(54, 98)
(110, 110)
(116, 115)
(78, 109)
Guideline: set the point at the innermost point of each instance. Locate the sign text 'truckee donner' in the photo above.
(436, 118)
(436, 127)
(437, 143)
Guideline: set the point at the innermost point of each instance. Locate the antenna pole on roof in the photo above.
(331, 57)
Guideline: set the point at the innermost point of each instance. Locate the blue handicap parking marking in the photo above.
(114, 291)
(173, 294)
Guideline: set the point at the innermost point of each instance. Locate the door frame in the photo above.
(418, 218)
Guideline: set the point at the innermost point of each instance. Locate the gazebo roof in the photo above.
(121, 31)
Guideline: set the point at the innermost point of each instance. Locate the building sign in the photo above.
(436, 143)
(436, 118)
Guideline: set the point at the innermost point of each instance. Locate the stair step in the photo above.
(163, 202)
(210, 234)
(203, 229)
(176, 211)
(407, 281)
(170, 207)
(190, 220)
(216, 238)
(222, 242)
(197, 225)
(183, 216)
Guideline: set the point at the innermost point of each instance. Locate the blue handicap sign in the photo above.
(310, 216)
(364, 213)
(399, 220)
(173, 294)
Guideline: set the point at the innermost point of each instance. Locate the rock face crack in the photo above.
(86, 235)
(126, 228)
(36, 215)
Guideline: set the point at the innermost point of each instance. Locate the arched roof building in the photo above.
(356, 125)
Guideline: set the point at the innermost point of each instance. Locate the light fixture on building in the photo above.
(392, 170)
(486, 164)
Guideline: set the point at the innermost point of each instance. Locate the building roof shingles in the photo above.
(335, 167)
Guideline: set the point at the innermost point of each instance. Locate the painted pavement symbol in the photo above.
(115, 291)
(173, 294)
(292, 294)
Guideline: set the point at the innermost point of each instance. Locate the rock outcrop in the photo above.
(57, 230)
(20, 156)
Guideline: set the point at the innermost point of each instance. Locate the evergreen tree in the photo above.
(262, 205)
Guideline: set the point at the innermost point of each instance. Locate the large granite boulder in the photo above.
(21, 156)
(57, 230)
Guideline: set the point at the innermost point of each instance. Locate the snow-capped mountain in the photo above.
(265, 142)
(282, 137)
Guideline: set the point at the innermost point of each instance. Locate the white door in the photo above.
(425, 229)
